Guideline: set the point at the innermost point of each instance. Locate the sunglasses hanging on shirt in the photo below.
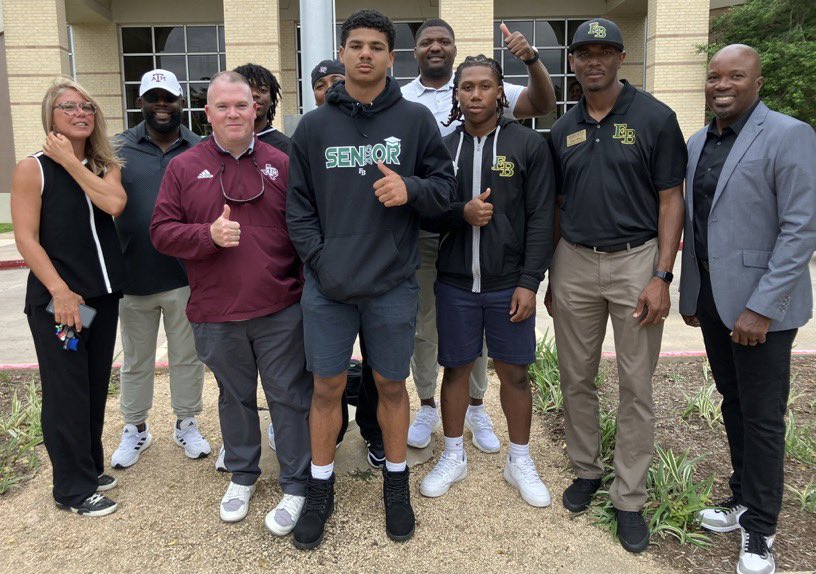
(248, 197)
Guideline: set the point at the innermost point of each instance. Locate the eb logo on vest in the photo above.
(504, 167)
(625, 134)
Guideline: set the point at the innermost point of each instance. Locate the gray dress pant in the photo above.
(236, 352)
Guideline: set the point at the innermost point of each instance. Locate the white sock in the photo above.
(519, 451)
(395, 466)
(475, 408)
(455, 447)
(322, 472)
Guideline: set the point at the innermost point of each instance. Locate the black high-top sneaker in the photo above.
(399, 516)
(319, 505)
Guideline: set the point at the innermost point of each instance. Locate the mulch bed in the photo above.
(795, 549)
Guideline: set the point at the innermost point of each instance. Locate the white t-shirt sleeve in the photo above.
(513, 92)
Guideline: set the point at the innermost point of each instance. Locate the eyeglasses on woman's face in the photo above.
(74, 108)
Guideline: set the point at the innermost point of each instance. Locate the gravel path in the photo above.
(168, 518)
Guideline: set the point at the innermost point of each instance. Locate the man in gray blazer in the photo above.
(750, 233)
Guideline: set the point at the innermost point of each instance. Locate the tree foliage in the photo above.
(784, 33)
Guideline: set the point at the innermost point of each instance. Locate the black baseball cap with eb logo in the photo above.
(597, 31)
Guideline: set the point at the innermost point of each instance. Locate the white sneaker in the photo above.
(724, 517)
(447, 471)
(235, 503)
(131, 446)
(478, 422)
(187, 436)
(523, 475)
(281, 520)
(270, 435)
(426, 422)
(220, 465)
(756, 555)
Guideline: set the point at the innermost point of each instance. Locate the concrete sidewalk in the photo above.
(18, 349)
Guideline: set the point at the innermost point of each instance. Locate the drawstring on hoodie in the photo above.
(495, 143)
(356, 109)
(458, 151)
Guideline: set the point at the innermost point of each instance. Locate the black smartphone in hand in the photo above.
(86, 314)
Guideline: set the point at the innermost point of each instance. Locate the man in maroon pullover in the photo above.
(221, 211)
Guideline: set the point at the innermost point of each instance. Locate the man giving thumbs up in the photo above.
(221, 210)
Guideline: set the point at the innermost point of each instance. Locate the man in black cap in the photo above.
(324, 76)
(621, 160)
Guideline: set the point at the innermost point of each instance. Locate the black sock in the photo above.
(141, 427)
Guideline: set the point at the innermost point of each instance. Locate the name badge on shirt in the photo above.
(576, 138)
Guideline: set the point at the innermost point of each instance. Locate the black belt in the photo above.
(616, 248)
(704, 265)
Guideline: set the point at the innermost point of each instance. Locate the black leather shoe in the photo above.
(319, 505)
(632, 531)
(399, 516)
(579, 494)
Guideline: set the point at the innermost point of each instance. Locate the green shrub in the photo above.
(800, 441)
(806, 496)
(705, 403)
(546, 379)
(674, 499)
(20, 433)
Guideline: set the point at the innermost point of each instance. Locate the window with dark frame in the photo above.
(193, 53)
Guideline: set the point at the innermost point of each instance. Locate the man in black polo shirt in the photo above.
(156, 284)
(621, 160)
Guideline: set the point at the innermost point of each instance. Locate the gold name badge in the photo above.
(576, 138)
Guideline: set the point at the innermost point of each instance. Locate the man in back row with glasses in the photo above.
(221, 211)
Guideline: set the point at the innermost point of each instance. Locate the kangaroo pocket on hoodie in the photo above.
(350, 264)
(500, 232)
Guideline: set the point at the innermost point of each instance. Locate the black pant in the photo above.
(74, 392)
(367, 400)
(754, 383)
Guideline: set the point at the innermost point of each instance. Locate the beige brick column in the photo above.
(633, 29)
(96, 57)
(675, 72)
(288, 76)
(472, 20)
(36, 51)
(252, 34)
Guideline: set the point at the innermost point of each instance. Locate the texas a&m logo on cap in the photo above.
(158, 78)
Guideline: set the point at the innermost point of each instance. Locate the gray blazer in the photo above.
(762, 225)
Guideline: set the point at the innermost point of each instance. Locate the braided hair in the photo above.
(470, 62)
(259, 76)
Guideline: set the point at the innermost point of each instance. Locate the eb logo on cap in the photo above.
(596, 30)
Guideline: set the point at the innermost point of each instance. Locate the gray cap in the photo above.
(597, 31)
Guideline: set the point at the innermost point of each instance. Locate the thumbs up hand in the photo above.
(390, 189)
(477, 211)
(225, 233)
(517, 44)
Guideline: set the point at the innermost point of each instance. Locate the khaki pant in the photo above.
(587, 288)
(424, 366)
(139, 322)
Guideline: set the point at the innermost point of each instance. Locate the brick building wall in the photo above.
(250, 38)
(675, 70)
